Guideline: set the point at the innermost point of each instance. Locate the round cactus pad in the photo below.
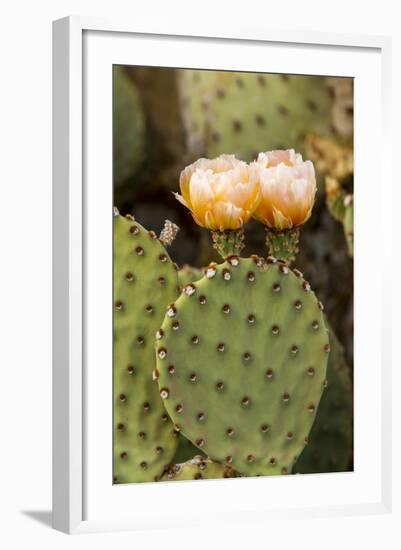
(145, 281)
(241, 364)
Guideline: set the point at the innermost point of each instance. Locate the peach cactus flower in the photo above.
(220, 192)
(287, 186)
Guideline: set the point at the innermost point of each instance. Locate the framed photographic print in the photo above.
(219, 333)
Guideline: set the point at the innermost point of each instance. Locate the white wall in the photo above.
(25, 169)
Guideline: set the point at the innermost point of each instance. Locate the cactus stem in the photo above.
(283, 244)
(229, 242)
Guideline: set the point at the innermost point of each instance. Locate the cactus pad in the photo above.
(145, 281)
(243, 113)
(241, 360)
(198, 468)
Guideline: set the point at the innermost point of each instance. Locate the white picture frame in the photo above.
(84, 498)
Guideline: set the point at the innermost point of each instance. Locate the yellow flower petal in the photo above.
(280, 221)
(181, 199)
(224, 215)
(201, 194)
(221, 193)
(288, 188)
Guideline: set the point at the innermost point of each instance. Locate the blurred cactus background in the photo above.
(165, 119)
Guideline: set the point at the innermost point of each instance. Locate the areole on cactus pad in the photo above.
(241, 364)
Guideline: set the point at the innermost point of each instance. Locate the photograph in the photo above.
(203, 352)
(232, 295)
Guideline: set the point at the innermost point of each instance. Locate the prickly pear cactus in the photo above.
(243, 113)
(128, 128)
(145, 282)
(198, 468)
(241, 364)
(330, 447)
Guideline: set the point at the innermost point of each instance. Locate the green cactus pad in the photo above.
(145, 282)
(330, 447)
(241, 361)
(244, 113)
(198, 468)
